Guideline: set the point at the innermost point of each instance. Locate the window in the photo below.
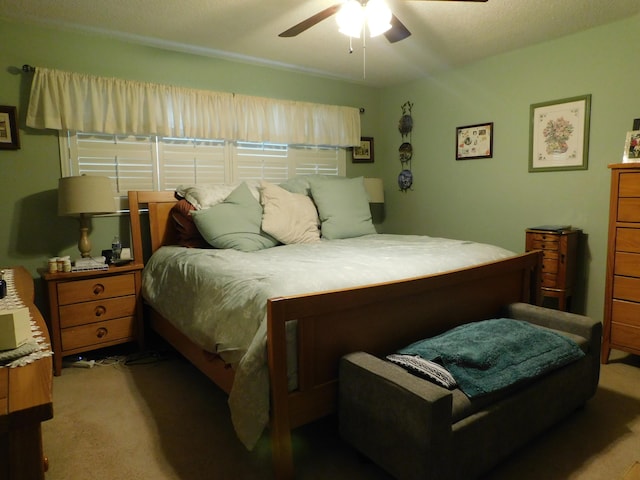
(147, 162)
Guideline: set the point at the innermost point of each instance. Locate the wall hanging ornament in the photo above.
(405, 126)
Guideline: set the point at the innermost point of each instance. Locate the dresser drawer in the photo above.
(629, 185)
(627, 313)
(626, 288)
(625, 335)
(94, 334)
(629, 210)
(627, 264)
(628, 240)
(95, 288)
(97, 311)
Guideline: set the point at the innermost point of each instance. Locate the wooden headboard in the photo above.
(161, 229)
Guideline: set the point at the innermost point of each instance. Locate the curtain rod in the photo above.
(28, 68)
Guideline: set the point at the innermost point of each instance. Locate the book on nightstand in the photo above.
(552, 228)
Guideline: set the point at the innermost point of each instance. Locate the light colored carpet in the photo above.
(165, 421)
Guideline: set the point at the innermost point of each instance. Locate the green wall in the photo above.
(31, 230)
(489, 200)
(494, 200)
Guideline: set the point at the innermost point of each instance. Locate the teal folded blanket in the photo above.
(487, 356)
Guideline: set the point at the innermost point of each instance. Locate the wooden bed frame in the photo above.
(376, 318)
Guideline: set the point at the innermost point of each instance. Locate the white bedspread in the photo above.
(218, 297)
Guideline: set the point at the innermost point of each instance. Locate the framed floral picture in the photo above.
(559, 134)
(632, 147)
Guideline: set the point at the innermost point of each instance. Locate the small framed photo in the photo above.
(632, 147)
(559, 134)
(9, 138)
(364, 152)
(474, 141)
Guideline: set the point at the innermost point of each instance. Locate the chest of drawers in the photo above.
(95, 309)
(559, 257)
(622, 288)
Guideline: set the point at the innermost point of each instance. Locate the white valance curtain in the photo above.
(87, 103)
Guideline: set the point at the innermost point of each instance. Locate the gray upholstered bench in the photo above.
(416, 429)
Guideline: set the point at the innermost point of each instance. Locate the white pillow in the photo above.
(205, 196)
(288, 217)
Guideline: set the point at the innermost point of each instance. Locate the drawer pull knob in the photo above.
(98, 288)
(101, 332)
(100, 310)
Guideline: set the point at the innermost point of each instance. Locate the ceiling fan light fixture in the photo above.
(378, 17)
(350, 18)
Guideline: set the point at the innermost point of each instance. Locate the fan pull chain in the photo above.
(364, 53)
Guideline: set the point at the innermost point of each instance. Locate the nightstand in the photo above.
(559, 247)
(93, 309)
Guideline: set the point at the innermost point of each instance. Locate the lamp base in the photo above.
(84, 245)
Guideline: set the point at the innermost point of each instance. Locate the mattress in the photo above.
(217, 298)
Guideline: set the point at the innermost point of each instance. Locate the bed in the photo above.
(377, 317)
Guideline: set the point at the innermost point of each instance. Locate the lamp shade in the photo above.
(375, 189)
(91, 194)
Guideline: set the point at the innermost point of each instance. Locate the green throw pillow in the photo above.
(234, 223)
(343, 207)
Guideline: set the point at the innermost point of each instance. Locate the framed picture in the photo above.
(474, 141)
(559, 134)
(9, 139)
(364, 153)
(632, 147)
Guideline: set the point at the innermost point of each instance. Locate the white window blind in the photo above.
(148, 162)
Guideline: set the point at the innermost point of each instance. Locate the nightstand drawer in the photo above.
(96, 333)
(628, 240)
(549, 244)
(627, 264)
(95, 288)
(549, 265)
(549, 280)
(97, 311)
(544, 237)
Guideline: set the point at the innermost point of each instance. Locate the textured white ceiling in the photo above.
(444, 33)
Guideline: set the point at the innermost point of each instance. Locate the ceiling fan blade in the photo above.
(311, 21)
(397, 31)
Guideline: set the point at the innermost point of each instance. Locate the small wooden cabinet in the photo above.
(559, 256)
(26, 400)
(622, 288)
(93, 309)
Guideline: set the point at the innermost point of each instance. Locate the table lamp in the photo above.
(83, 196)
(375, 191)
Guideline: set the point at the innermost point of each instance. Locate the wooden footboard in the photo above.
(376, 318)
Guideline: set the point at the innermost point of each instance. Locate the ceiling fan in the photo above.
(394, 34)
